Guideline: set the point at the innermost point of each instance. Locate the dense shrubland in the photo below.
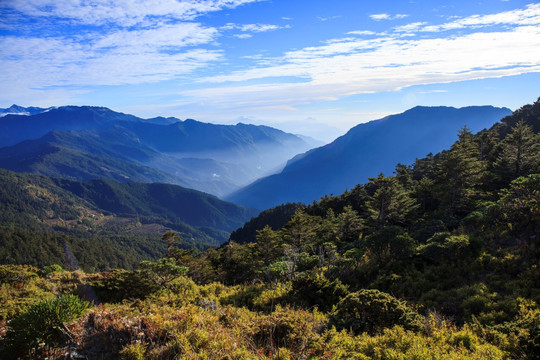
(440, 261)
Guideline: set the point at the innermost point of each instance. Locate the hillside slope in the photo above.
(39, 214)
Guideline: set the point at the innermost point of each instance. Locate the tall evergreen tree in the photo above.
(459, 173)
(390, 202)
(519, 153)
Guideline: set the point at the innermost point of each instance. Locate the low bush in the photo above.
(43, 323)
(372, 311)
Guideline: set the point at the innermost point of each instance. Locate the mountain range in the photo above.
(83, 143)
(365, 151)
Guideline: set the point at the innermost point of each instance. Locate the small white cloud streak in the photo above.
(528, 16)
(384, 16)
(361, 32)
(253, 27)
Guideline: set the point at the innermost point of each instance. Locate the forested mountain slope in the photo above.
(38, 214)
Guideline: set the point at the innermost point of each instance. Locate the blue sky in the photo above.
(310, 67)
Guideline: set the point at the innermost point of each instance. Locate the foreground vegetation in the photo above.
(440, 261)
(185, 320)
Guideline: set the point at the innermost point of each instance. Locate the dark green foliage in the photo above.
(315, 290)
(446, 247)
(390, 243)
(41, 323)
(518, 153)
(448, 233)
(97, 252)
(172, 203)
(526, 328)
(275, 218)
(460, 172)
(120, 284)
(372, 311)
(389, 203)
(163, 271)
(520, 207)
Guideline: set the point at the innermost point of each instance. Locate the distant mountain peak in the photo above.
(20, 110)
(365, 151)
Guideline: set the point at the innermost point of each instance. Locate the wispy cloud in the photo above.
(170, 42)
(255, 28)
(433, 92)
(386, 62)
(528, 16)
(327, 18)
(122, 12)
(384, 16)
(361, 32)
(100, 45)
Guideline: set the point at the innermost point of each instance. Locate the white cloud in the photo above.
(361, 32)
(528, 16)
(321, 18)
(342, 67)
(378, 17)
(166, 48)
(243, 36)
(255, 28)
(167, 36)
(165, 44)
(412, 27)
(117, 57)
(121, 12)
(384, 16)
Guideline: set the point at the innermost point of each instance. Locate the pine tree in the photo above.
(459, 173)
(390, 202)
(519, 153)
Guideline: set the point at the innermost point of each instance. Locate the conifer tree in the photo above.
(519, 153)
(459, 173)
(390, 202)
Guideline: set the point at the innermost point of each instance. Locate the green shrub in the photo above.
(296, 330)
(525, 328)
(133, 352)
(42, 323)
(372, 311)
(163, 271)
(316, 290)
(122, 284)
(443, 247)
(17, 274)
(49, 269)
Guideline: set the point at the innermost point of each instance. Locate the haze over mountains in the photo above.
(83, 143)
(365, 151)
